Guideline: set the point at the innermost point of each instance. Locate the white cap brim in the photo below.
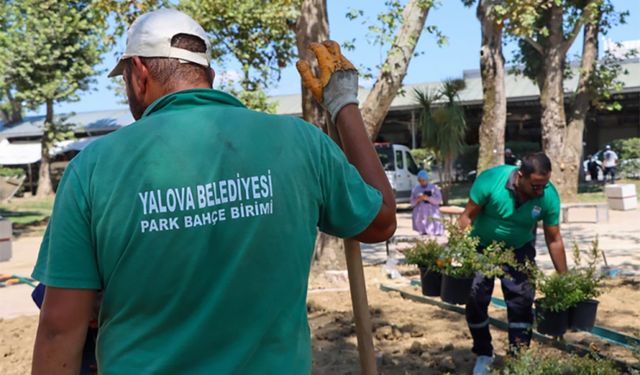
(117, 71)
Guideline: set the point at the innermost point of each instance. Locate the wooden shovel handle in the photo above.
(358, 289)
(360, 305)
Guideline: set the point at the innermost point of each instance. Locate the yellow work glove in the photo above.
(337, 84)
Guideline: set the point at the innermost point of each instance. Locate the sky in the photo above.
(436, 63)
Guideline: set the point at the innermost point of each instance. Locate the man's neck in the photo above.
(520, 196)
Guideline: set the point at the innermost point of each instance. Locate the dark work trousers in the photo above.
(518, 294)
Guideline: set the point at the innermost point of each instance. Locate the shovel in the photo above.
(609, 271)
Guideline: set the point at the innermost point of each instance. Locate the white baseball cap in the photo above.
(150, 36)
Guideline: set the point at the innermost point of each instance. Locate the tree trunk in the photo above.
(552, 104)
(494, 108)
(313, 26)
(395, 67)
(572, 151)
(45, 188)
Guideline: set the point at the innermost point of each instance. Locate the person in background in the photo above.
(509, 157)
(610, 159)
(593, 167)
(505, 204)
(425, 201)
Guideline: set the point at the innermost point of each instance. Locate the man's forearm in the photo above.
(558, 256)
(464, 221)
(361, 153)
(57, 353)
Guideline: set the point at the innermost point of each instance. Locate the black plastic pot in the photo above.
(431, 282)
(551, 323)
(455, 290)
(582, 317)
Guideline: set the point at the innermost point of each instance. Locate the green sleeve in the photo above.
(481, 188)
(348, 204)
(67, 257)
(552, 211)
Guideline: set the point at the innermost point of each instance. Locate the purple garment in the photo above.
(426, 215)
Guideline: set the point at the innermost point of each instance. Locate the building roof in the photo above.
(84, 122)
(519, 88)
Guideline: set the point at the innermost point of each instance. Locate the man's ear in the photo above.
(212, 74)
(139, 77)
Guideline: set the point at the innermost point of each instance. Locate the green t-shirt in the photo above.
(499, 219)
(198, 222)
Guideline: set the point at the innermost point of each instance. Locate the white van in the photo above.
(400, 168)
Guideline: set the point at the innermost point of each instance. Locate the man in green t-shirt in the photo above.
(197, 222)
(505, 204)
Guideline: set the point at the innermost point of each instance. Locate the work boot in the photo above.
(483, 365)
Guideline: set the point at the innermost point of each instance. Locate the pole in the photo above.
(358, 289)
(360, 305)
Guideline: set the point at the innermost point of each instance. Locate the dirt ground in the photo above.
(416, 338)
(409, 337)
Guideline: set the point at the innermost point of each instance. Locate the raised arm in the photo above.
(336, 89)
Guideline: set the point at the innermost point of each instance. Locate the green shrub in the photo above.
(461, 256)
(580, 283)
(463, 260)
(587, 278)
(536, 362)
(424, 157)
(427, 254)
(627, 148)
(11, 172)
(629, 152)
(494, 258)
(559, 290)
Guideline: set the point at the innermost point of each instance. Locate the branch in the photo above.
(576, 30)
(537, 46)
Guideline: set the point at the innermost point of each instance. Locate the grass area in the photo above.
(587, 193)
(27, 214)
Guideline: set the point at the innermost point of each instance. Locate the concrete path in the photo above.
(15, 300)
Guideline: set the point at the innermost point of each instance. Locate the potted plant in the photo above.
(494, 260)
(582, 316)
(461, 260)
(427, 255)
(560, 294)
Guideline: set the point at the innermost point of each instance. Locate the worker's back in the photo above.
(202, 219)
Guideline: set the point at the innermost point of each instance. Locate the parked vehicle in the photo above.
(400, 168)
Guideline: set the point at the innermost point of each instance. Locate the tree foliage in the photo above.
(383, 30)
(54, 49)
(443, 124)
(546, 30)
(261, 40)
(10, 107)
